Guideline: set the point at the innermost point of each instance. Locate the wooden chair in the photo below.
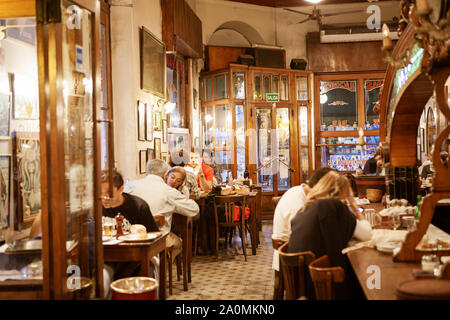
(275, 201)
(160, 222)
(228, 225)
(278, 286)
(324, 277)
(293, 268)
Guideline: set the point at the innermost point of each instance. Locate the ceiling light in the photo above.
(314, 1)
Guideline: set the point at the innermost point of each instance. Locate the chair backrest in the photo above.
(277, 243)
(275, 202)
(159, 220)
(324, 277)
(293, 267)
(229, 202)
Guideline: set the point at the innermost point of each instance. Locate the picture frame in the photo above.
(27, 176)
(142, 161)
(157, 120)
(141, 120)
(157, 148)
(164, 131)
(150, 154)
(179, 138)
(5, 107)
(149, 122)
(165, 157)
(5, 189)
(153, 63)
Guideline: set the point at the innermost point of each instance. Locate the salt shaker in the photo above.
(119, 221)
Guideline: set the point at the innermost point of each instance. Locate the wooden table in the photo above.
(391, 273)
(141, 252)
(184, 225)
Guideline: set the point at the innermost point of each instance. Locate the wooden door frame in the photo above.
(359, 77)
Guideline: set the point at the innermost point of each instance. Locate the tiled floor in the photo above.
(231, 278)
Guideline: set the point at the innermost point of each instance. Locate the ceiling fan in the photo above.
(317, 15)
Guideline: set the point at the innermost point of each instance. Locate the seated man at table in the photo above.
(162, 199)
(203, 172)
(178, 158)
(133, 208)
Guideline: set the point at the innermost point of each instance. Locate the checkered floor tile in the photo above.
(231, 277)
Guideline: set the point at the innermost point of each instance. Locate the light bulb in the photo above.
(386, 31)
(323, 98)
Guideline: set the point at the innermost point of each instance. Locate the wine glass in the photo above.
(395, 220)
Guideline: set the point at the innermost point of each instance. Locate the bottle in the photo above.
(119, 220)
(246, 173)
(419, 200)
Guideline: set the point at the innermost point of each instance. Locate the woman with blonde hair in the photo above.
(326, 223)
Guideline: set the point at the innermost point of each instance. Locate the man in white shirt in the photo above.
(162, 199)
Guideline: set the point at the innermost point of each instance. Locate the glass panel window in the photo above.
(78, 128)
(304, 164)
(223, 125)
(239, 85)
(208, 124)
(301, 85)
(338, 105)
(275, 83)
(257, 93)
(266, 85)
(264, 125)
(371, 94)
(174, 79)
(240, 154)
(372, 140)
(282, 121)
(240, 140)
(20, 160)
(344, 154)
(223, 163)
(303, 123)
(208, 84)
(221, 86)
(284, 94)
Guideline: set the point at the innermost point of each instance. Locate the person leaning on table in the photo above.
(162, 199)
(325, 225)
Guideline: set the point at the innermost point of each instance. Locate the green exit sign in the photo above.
(272, 97)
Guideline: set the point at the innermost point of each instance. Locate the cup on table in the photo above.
(430, 262)
(410, 223)
(394, 220)
(108, 229)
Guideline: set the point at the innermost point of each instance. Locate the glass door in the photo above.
(273, 148)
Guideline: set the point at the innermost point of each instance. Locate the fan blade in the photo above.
(339, 13)
(292, 10)
(303, 21)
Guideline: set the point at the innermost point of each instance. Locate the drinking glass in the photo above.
(395, 220)
(430, 262)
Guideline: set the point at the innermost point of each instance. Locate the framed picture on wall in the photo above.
(142, 161)
(153, 64)
(164, 131)
(157, 148)
(149, 122)
(5, 183)
(157, 121)
(141, 121)
(150, 154)
(165, 157)
(27, 169)
(5, 106)
(25, 97)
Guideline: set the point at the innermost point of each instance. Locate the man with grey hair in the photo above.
(162, 199)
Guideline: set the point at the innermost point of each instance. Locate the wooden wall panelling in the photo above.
(168, 24)
(17, 8)
(221, 57)
(340, 57)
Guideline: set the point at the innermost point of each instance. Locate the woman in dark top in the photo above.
(325, 225)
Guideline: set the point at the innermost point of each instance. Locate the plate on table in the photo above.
(134, 237)
(388, 246)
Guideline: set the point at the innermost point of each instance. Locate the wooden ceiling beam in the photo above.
(296, 3)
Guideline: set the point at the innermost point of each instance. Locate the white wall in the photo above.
(126, 22)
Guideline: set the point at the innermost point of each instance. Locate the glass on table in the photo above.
(394, 220)
(430, 262)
